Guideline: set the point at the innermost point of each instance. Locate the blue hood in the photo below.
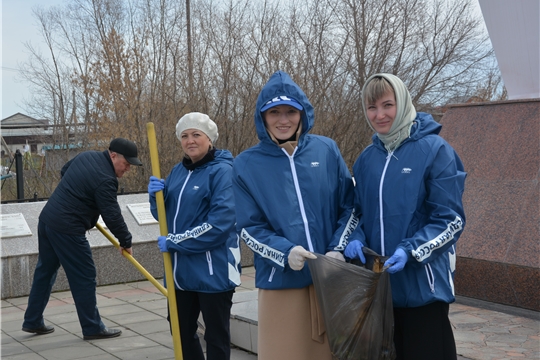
(281, 84)
(224, 156)
(425, 125)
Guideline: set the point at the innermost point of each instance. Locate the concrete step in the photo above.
(244, 320)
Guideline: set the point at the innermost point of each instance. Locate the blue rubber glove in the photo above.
(397, 261)
(354, 251)
(155, 185)
(162, 243)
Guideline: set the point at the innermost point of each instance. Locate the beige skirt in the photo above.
(290, 326)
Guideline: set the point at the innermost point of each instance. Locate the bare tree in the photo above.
(126, 63)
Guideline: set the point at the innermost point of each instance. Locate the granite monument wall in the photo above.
(19, 254)
(498, 255)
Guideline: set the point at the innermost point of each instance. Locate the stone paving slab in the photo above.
(140, 312)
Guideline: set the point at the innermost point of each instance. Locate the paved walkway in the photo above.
(483, 331)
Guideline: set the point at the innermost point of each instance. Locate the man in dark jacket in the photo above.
(87, 190)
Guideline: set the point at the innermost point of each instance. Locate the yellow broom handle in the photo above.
(163, 230)
(132, 260)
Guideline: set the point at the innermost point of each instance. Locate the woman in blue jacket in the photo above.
(294, 197)
(204, 247)
(409, 187)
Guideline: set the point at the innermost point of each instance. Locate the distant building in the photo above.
(35, 136)
(19, 131)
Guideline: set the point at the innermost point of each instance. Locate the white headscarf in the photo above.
(406, 113)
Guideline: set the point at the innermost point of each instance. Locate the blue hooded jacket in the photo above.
(287, 200)
(200, 213)
(412, 198)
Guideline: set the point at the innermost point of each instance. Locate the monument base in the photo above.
(499, 251)
(20, 253)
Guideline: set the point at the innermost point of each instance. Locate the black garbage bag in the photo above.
(356, 304)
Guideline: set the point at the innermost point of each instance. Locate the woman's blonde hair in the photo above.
(376, 89)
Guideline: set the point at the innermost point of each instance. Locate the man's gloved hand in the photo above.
(397, 261)
(335, 255)
(298, 256)
(354, 251)
(155, 185)
(162, 243)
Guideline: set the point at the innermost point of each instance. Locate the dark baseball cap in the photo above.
(126, 148)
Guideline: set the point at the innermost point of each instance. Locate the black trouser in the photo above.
(424, 332)
(74, 254)
(216, 312)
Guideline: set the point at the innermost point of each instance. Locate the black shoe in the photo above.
(104, 334)
(45, 329)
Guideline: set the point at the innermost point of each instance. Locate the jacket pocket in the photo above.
(209, 261)
(430, 277)
(272, 274)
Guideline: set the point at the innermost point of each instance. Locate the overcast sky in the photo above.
(18, 26)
